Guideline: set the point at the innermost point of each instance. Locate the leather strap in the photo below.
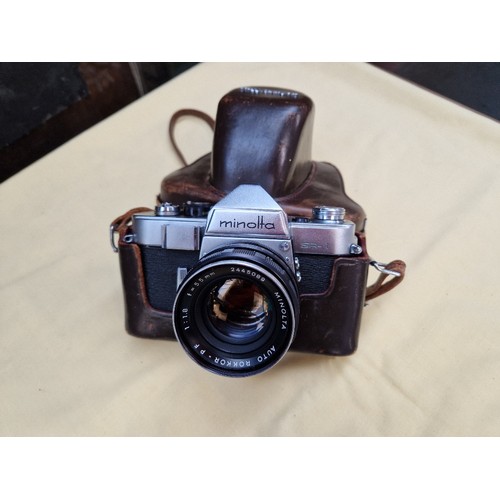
(173, 120)
(382, 286)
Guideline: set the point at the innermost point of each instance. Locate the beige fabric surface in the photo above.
(426, 171)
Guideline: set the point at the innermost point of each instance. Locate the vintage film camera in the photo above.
(252, 250)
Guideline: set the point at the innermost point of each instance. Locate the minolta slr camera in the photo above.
(253, 249)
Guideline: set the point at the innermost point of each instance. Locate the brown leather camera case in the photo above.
(276, 155)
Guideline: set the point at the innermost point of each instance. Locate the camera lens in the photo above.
(235, 313)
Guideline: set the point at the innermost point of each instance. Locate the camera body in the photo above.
(245, 240)
(240, 268)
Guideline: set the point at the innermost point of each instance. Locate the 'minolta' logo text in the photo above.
(236, 224)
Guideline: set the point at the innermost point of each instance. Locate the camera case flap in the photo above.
(263, 136)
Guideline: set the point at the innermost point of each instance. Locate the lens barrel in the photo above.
(236, 312)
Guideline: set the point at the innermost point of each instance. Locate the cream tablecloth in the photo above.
(426, 171)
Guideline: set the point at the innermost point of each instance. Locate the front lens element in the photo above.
(238, 310)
